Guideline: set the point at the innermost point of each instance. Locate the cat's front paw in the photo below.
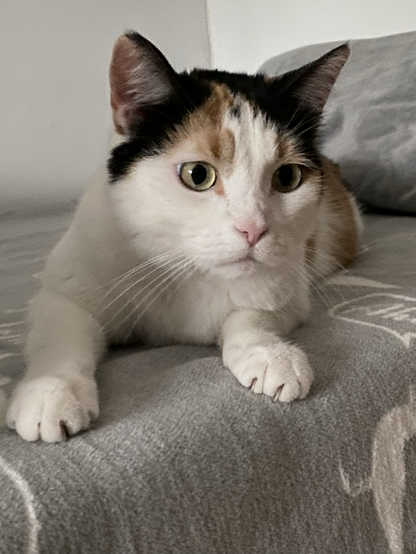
(280, 370)
(52, 409)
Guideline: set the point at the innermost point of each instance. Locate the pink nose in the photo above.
(252, 231)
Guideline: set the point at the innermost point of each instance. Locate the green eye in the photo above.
(286, 178)
(197, 175)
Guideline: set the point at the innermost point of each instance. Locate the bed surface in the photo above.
(185, 460)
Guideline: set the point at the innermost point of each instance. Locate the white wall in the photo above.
(54, 54)
(244, 33)
(54, 115)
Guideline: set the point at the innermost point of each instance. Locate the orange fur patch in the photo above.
(204, 127)
(288, 151)
(346, 245)
(310, 254)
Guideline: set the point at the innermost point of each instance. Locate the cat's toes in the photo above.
(52, 409)
(281, 371)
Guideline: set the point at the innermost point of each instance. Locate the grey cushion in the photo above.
(370, 117)
(184, 460)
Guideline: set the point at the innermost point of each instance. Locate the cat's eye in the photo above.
(287, 178)
(197, 175)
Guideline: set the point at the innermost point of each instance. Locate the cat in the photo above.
(213, 215)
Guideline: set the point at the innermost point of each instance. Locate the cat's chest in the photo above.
(190, 312)
(194, 313)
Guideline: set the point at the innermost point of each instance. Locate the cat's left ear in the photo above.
(312, 83)
(140, 77)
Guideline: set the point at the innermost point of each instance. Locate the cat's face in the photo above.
(221, 168)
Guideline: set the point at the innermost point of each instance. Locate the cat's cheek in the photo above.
(302, 200)
(299, 220)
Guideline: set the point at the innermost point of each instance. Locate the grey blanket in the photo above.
(184, 460)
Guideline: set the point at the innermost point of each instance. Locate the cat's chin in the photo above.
(243, 267)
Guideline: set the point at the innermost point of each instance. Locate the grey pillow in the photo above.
(370, 117)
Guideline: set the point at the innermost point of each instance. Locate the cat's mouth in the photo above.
(239, 267)
(243, 261)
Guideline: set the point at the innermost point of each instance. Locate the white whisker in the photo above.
(143, 278)
(131, 300)
(132, 271)
(176, 275)
(321, 292)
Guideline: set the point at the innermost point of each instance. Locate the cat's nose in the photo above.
(252, 231)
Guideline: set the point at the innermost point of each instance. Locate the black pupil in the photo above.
(198, 174)
(286, 175)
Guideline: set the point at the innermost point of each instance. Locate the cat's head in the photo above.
(221, 167)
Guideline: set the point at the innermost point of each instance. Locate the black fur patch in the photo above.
(155, 123)
(149, 136)
(274, 99)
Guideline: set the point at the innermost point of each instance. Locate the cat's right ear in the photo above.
(140, 77)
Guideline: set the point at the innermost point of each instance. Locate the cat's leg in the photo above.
(58, 395)
(254, 351)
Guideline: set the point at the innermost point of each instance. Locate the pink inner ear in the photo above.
(123, 64)
(121, 116)
(139, 76)
(124, 61)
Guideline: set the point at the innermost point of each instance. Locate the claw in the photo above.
(253, 383)
(64, 430)
(277, 395)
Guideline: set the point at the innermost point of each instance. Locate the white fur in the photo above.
(195, 290)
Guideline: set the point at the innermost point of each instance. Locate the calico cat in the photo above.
(214, 214)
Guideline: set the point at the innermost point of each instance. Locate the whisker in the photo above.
(304, 121)
(176, 275)
(303, 131)
(295, 113)
(322, 280)
(148, 274)
(131, 300)
(304, 275)
(132, 271)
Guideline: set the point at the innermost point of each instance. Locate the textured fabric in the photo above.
(184, 460)
(370, 117)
